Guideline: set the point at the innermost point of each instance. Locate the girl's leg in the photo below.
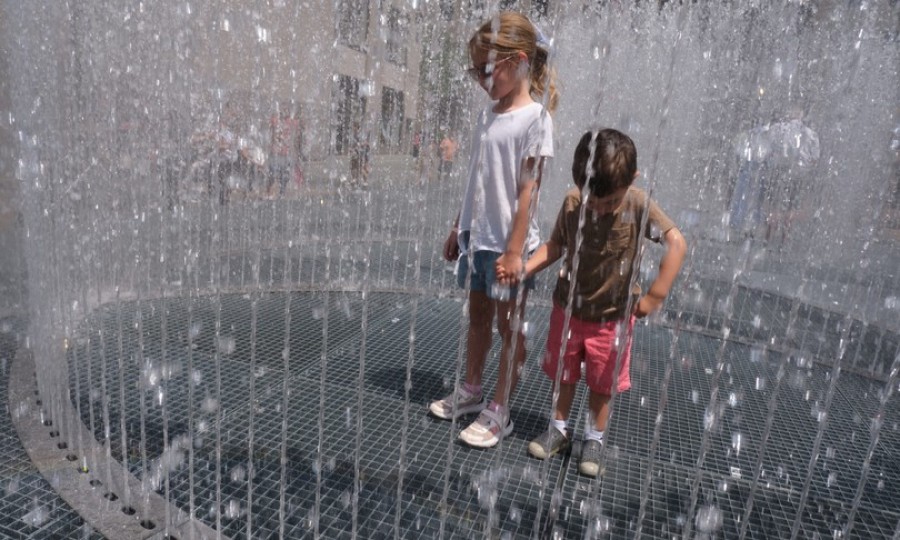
(480, 335)
(512, 350)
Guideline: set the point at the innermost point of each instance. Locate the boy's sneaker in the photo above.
(549, 443)
(487, 430)
(590, 458)
(457, 404)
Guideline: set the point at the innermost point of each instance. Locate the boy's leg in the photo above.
(589, 464)
(564, 402)
(601, 360)
(556, 438)
(599, 405)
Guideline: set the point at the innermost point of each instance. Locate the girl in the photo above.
(495, 226)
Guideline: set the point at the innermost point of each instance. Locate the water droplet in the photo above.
(238, 474)
(37, 516)
(233, 510)
(226, 344)
(209, 405)
(733, 400)
(757, 354)
(195, 329)
(515, 514)
(500, 292)
(708, 519)
(736, 442)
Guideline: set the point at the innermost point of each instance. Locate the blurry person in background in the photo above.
(775, 168)
(284, 149)
(448, 148)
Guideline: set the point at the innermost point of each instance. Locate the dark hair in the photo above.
(605, 160)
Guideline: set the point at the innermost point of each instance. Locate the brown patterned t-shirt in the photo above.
(608, 247)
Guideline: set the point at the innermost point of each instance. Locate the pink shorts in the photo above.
(591, 342)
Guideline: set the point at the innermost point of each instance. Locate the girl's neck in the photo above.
(516, 99)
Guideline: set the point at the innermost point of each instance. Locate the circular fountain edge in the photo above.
(94, 498)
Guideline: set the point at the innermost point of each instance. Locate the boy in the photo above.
(612, 220)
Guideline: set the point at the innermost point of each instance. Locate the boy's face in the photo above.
(608, 204)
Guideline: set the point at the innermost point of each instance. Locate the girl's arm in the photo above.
(451, 245)
(511, 260)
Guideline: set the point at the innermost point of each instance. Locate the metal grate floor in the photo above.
(252, 422)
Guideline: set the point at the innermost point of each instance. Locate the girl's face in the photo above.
(497, 74)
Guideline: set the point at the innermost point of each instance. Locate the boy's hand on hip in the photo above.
(647, 305)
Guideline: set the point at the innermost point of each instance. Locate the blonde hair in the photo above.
(509, 33)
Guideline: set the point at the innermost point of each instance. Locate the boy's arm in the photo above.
(669, 266)
(511, 260)
(543, 257)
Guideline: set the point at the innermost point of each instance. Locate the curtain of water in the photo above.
(99, 88)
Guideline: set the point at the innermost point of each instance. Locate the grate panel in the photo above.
(727, 387)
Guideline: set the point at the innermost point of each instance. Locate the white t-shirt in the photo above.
(500, 145)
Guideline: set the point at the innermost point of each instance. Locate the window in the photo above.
(348, 111)
(391, 119)
(353, 22)
(398, 35)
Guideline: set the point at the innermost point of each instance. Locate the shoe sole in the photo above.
(537, 451)
(589, 469)
(489, 444)
(438, 411)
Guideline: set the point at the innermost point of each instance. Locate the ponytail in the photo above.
(543, 79)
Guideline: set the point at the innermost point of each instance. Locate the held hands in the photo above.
(451, 247)
(509, 268)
